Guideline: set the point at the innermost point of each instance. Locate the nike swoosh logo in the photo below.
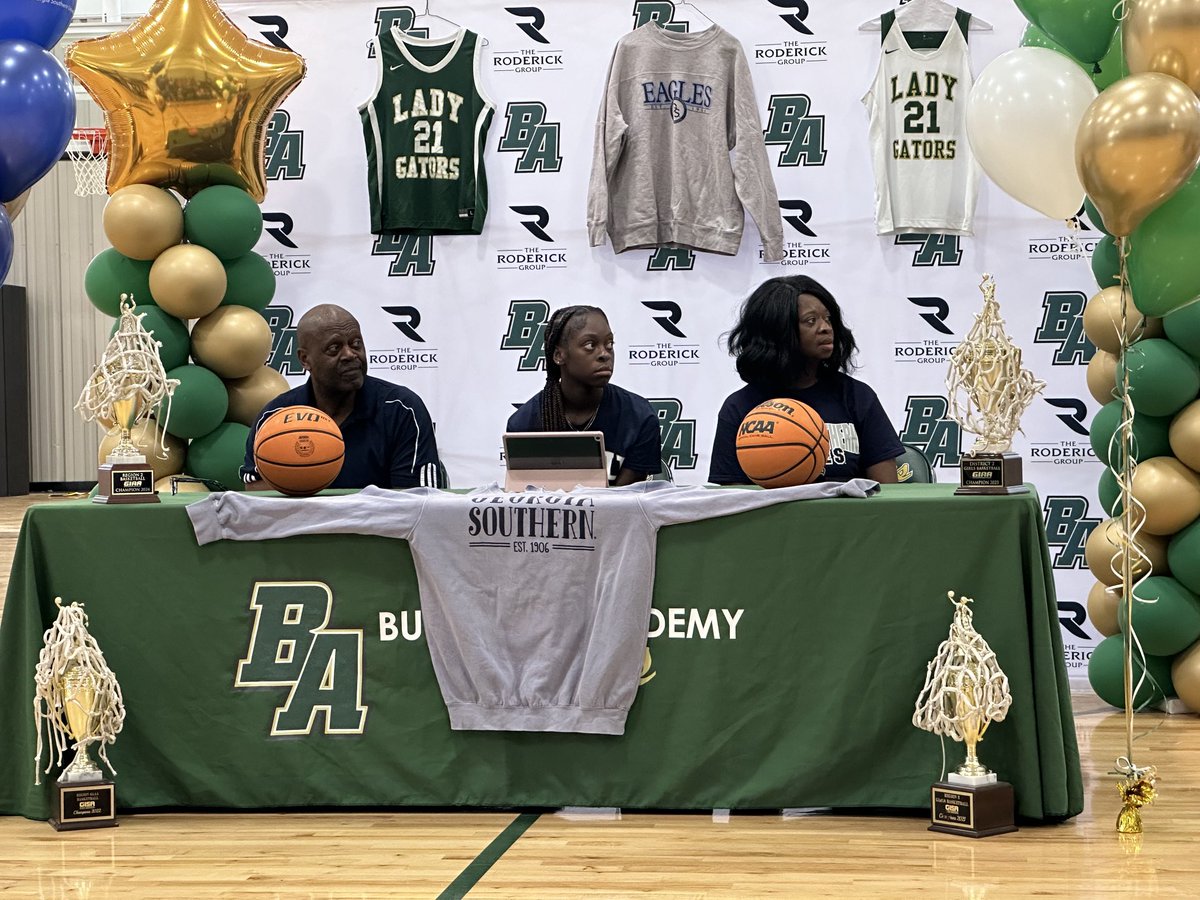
(401, 66)
(893, 50)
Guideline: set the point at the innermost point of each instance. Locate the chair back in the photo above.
(913, 468)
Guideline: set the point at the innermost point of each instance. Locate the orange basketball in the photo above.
(298, 450)
(782, 443)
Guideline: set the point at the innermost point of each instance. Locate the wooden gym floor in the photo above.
(551, 855)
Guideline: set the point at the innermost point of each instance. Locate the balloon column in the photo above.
(37, 105)
(187, 97)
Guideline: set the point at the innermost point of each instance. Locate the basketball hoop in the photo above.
(88, 152)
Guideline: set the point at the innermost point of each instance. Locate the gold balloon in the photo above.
(187, 97)
(1102, 376)
(1102, 554)
(248, 396)
(1102, 321)
(1170, 491)
(148, 438)
(1137, 142)
(1102, 608)
(14, 206)
(163, 486)
(1163, 36)
(233, 341)
(187, 281)
(1185, 676)
(142, 221)
(1185, 435)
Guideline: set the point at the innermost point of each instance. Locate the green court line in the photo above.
(479, 866)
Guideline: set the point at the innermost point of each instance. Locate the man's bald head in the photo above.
(331, 348)
(316, 324)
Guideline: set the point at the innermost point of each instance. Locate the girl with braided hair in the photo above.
(578, 396)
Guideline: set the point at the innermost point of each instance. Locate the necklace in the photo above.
(587, 424)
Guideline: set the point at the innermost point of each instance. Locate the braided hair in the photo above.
(554, 414)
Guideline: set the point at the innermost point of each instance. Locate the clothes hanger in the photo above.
(423, 19)
(925, 15)
(694, 15)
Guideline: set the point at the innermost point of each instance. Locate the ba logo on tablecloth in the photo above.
(278, 226)
(285, 351)
(932, 249)
(927, 426)
(671, 259)
(801, 246)
(528, 134)
(535, 220)
(1068, 527)
(412, 254)
(404, 357)
(930, 350)
(1062, 325)
(790, 123)
(291, 646)
(285, 149)
(402, 17)
(677, 435)
(665, 353)
(526, 333)
(274, 30)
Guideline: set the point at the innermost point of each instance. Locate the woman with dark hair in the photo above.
(578, 396)
(790, 341)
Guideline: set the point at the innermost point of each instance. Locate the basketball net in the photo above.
(88, 152)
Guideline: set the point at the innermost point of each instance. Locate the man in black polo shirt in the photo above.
(387, 430)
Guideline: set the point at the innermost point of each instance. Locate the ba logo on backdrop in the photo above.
(402, 17)
(531, 137)
(285, 149)
(1062, 326)
(666, 14)
(411, 254)
(800, 245)
(535, 220)
(792, 49)
(932, 249)
(1068, 527)
(671, 259)
(531, 21)
(665, 353)
(526, 332)
(278, 226)
(677, 435)
(927, 426)
(930, 350)
(404, 356)
(791, 124)
(1071, 446)
(285, 353)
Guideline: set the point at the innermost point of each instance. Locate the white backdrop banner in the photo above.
(459, 319)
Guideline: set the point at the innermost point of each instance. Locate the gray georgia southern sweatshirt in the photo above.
(535, 605)
(675, 107)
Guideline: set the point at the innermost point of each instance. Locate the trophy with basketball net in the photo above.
(965, 691)
(988, 389)
(124, 389)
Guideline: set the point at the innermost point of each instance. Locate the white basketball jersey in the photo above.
(926, 179)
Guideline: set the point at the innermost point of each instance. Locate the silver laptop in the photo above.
(554, 460)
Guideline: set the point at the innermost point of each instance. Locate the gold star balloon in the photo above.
(187, 97)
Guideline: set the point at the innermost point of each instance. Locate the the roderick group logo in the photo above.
(665, 352)
(286, 259)
(273, 29)
(409, 354)
(671, 259)
(792, 125)
(285, 149)
(535, 220)
(531, 137)
(401, 17)
(927, 425)
(412, 254)
(1062, 326)
(285, 351)
(934, 349)
(1072, 445)
(801, 245)
(794, 49)
(526, 333)
(531, 22)
(1068, 245)
(677, 435)
(932, 249)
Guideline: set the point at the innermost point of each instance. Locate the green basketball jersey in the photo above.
(424, 130)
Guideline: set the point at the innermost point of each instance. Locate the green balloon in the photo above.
(1162, 378)
(250, 280)
(1183, 329)
(1166, 615)
(223, 219)
(199, 404)
(1035, 37)
(1106, 264)
(1084, 27)
(1150, 435)
(109, 275)
(1097, 221)
(1164, 267)
(1112, 67)
(1183, 557)
(1106, 674)
(1110, 492)
(219, 455)
(171, 333)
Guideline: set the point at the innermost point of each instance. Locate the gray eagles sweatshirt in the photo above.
(535, 605)
(676, 107)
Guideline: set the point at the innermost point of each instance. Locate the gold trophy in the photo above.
(988, 389)
(77, 703)
(125, 388)
(965, 691)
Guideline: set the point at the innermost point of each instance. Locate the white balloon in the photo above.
(1022, 116)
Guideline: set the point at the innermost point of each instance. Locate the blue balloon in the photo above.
(6, 244)
(37, 113)
(41, 21)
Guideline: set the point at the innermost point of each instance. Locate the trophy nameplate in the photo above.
(990, 473)
(120, 481)
(972, 810)
(79, 806)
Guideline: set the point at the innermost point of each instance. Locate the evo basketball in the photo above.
(782, 443)
(298, 450)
